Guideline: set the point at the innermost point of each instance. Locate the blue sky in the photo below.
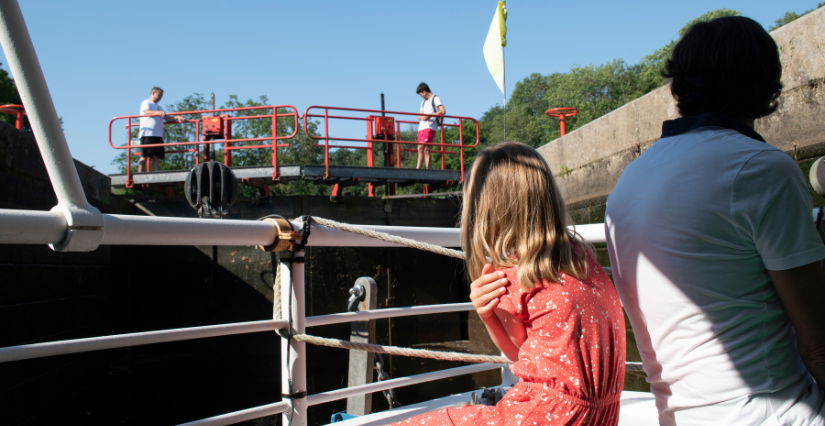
(100, 58)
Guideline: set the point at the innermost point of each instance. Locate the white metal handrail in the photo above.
(39, 227)
(63, 347)
(320, 398)
(387, 313)
(243, 415)
(74, 225)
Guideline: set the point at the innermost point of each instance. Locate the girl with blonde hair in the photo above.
(544, 299)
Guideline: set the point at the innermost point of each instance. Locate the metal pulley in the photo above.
(211, 188)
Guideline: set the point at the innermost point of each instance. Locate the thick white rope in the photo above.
(420, 353)
(394, 350)
(383, 236)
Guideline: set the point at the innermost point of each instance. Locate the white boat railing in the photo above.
(74, 225)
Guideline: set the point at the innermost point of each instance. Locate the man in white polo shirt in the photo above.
(428, 125)
(151, 129)
(713, 247)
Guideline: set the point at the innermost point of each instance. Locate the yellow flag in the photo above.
(494, 45)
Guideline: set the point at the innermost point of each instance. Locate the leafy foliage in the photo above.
(8, 94)
(792, 16)
(594, 90)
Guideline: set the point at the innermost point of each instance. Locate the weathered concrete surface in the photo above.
(46, 296)
(25, 182)
(591, 158)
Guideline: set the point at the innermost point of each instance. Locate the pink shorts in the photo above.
(426, 135)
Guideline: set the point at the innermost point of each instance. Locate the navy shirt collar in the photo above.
(709, 119)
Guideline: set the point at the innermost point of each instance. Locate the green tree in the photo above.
(594, 90)
(8, 94)
(792, 16)
(172, 132)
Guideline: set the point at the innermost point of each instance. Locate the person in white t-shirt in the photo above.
(428, 125)
(713, 247)
(151, 129)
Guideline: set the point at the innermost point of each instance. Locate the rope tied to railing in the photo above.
(383, 236)
(395, 350)
(390, 350)
(419, 353)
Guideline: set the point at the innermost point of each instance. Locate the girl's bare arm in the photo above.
(506, 331)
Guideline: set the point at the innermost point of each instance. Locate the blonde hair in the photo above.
(513, 214)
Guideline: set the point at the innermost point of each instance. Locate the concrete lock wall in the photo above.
(48, 296)
(595, 154)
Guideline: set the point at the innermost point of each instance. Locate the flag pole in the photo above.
(504, 83)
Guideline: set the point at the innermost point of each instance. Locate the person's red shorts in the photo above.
(426, 135)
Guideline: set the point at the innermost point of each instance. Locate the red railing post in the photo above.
(129, 183)
(276, 174)
(326, 142)
(370, 154)
(443, 148)
(461, 147)
(197, 138)
(227, 145)
(398, 145)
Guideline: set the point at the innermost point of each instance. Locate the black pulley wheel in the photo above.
(211, 188)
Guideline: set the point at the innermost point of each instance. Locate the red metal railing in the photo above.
(227, 141)
(393, 144)
(18, 111)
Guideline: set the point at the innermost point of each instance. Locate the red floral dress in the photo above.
(572, 364)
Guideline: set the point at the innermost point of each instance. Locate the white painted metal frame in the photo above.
(75, 225)
(387, 313)
(63, 347)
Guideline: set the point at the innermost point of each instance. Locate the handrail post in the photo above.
(85, 223)
(129, 183)
(443, 148)
(370, 157)
(461, 148)
(293, 373)
(361, 362)
(275, 174)
(197, 141)
(326, 142)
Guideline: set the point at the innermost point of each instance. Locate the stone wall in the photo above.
(591, 158)
(45, 295)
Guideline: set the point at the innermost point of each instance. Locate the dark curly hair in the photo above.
(729, 65)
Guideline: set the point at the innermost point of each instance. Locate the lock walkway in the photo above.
(311, 172)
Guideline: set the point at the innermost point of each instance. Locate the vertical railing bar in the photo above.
(34, 92)
(293, 353)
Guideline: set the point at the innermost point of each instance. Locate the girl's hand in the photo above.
(485, 291)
